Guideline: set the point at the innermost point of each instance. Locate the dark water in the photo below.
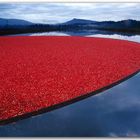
(114, 112)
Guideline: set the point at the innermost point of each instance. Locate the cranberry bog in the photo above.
(42, 73)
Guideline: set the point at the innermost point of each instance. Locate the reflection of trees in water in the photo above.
(67, 29)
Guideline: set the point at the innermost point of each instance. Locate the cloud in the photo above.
(126, 134)
(60, 12)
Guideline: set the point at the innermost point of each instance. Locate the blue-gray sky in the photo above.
(60, 12)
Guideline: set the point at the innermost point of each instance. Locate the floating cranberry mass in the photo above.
(44, 72)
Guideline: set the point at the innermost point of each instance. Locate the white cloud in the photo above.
(126, 134)
(60, 12)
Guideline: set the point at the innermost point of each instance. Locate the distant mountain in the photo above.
(99, 24)
(14, 22)
(123, 24)
(79, 21)
(15, 26)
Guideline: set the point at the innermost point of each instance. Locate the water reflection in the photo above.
(135, 38)
(129, 37)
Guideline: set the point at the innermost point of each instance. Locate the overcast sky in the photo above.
(60, 12)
